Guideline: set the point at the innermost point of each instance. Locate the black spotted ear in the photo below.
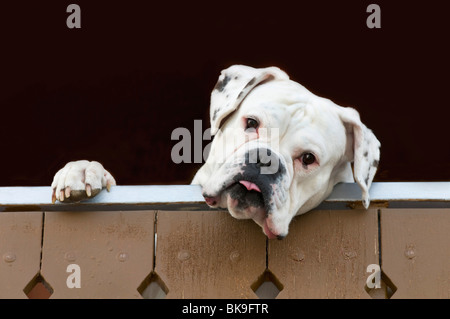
(365, 151)
(233, 86)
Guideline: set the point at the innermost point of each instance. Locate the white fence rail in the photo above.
(395, 194)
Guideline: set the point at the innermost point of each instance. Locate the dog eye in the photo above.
(308, 159)
(251, 123)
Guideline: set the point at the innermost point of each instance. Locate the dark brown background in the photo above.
(114, 90)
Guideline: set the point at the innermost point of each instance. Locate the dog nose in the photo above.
(263, 161)
(211, 200)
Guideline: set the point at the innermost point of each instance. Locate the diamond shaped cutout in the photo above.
(267, 286)
(38, 288)
(153, 287)
(386, 291)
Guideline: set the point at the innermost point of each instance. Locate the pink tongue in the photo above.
(250, 186)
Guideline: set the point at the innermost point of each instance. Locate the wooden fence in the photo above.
(163, 242)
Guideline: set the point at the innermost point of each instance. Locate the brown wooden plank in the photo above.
(113, 249)
(326, 254)
(20, 251)
(208, 254)
(416, 251)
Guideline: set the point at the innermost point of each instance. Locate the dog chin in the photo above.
(244, 203)
(239, 211)
(245, 200)
(258, 214)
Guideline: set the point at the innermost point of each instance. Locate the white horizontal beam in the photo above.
(189, 196)
(394, 191)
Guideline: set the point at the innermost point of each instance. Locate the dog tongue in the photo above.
(250, 186)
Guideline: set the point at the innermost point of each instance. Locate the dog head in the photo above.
(278, 149)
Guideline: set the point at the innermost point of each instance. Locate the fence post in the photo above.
(20, 251)
(326, 254)
(208, 254)
(113, 250)
(415, 251)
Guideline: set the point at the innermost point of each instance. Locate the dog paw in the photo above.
(80, 180)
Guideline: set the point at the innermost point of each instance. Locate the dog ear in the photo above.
(233, 86)
(363, 148)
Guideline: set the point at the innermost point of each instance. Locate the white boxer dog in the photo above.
(278, 151)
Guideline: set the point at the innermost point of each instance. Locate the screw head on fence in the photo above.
(9, 257)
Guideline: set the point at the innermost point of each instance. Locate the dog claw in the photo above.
(54, 197)
(88, 190)
(67, 192)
